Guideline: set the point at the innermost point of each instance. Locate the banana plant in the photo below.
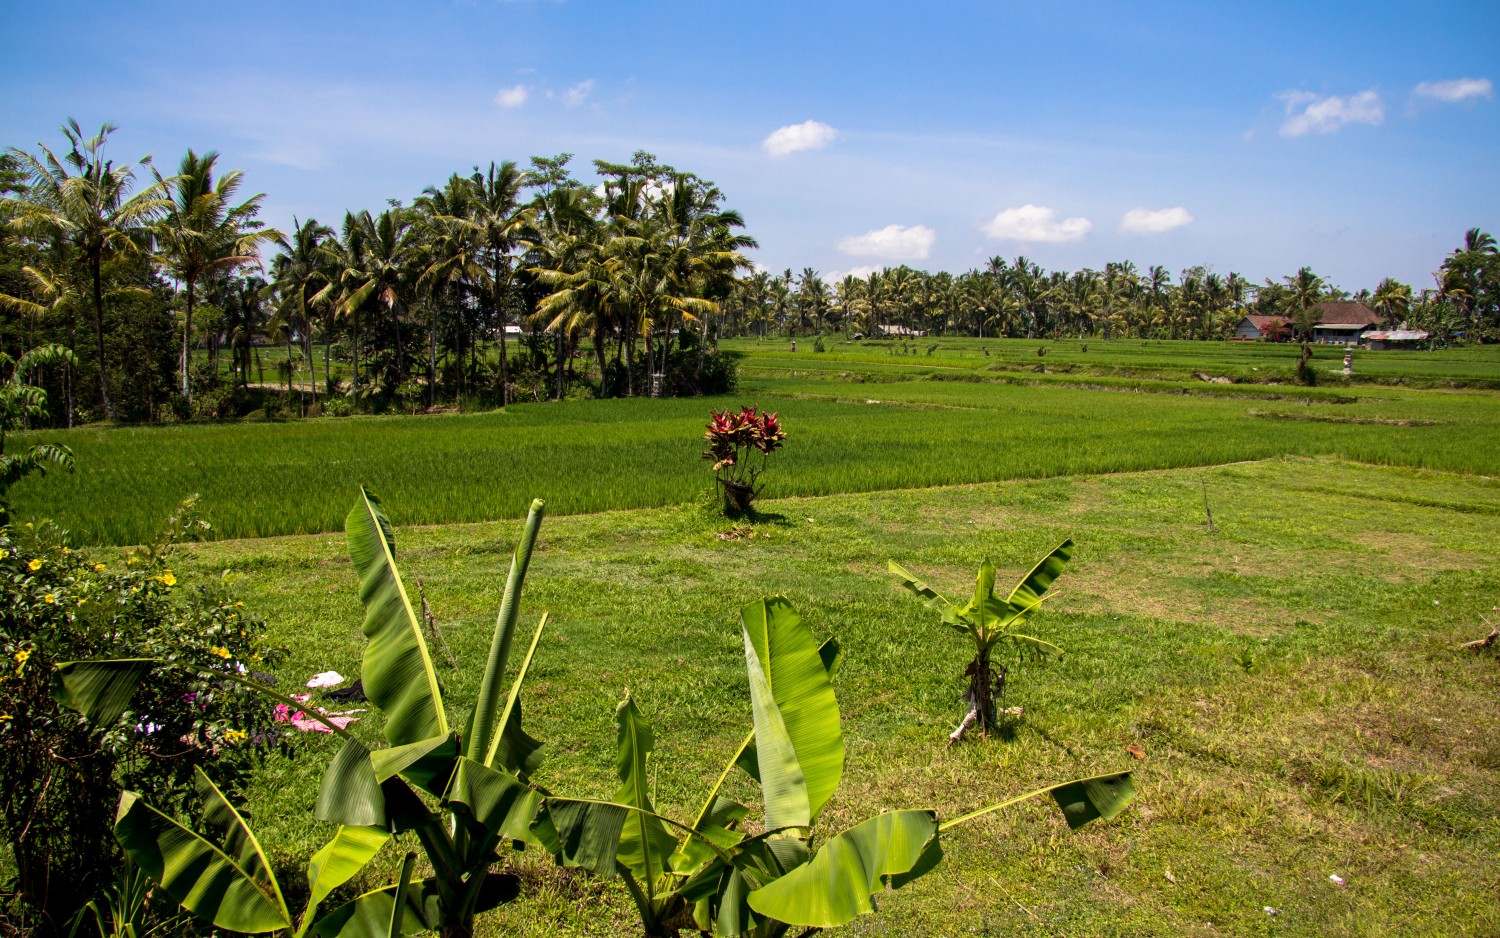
(990, 621)
(715, 877)
(479, 781)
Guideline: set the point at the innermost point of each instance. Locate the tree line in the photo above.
(496, 283)
(1018, 298)
(514, 282)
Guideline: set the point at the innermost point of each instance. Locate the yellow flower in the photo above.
(98, 567)
(238, 603)
(22, 655)
(82, 601)
(67, 550)
(235, 736)
(220, 652)
(255, 657)
(50, 598)
(35, 565)
(4, 718)
(169, 579)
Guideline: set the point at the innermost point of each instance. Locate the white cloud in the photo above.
(1035, 223)
(1310, 113)
(512, 97)
(1148, 221)
(893, 242)
(575, 95)
(793, 138)
(1459, 89)
(863, 272)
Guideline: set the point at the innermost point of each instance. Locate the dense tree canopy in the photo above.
(514, 282)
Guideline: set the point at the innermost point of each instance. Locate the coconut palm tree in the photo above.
(299, 275)
(84, 200)
(202, 232)
(1392, 300)
(500, 222)
(1305, 290)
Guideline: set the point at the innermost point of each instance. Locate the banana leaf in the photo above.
(512, 750)
(950, 614)
(1081, 800)
(581, 833)
(100, 690)
(835, 886)
(345, 855)
(398, 674)
(495, 801)
(480, 741)
(427, 763)
(350, 794)
(799, 743)
(645, 844)
(1036, 583)
(370, 915)
(235, 892)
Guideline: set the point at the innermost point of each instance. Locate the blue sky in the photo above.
(1361, 139)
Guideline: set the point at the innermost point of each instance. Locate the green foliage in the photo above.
(219, 872)
(718, 876)
(989, 620)
(20, 403)
(61, 774)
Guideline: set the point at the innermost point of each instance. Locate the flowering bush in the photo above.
(60, 776)
(740, 444)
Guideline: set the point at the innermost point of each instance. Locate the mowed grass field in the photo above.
(855, 424)
(1292, 679)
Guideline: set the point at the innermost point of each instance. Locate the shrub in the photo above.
(60, 776)
(734, 443)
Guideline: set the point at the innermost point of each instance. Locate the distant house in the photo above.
(1344, 323)
(1394, 338)
(1252, 328)
(899, 332)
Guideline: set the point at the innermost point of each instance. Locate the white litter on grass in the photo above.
(1336, 879)
(326, 679)
(1269, 910)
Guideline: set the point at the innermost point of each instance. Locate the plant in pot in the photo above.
(740, 444)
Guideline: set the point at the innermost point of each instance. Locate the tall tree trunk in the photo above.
(312, 368)
(499, 302)
(400, 347)
(109, 410)
(432, 359)
(356, 348)
(599, 353)
(187, 335)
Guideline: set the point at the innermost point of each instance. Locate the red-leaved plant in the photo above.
(740, 444)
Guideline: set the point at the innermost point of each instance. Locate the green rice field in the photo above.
(911, 428)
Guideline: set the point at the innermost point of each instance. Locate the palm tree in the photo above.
(203, 232)
(1305, 290)
(500, 220)
(300, 274)
(1392, 300)
(244, 320)
(85, 201)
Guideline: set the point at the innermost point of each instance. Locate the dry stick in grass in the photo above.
(1206, 510)
(432, 626)
(1485, 642)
